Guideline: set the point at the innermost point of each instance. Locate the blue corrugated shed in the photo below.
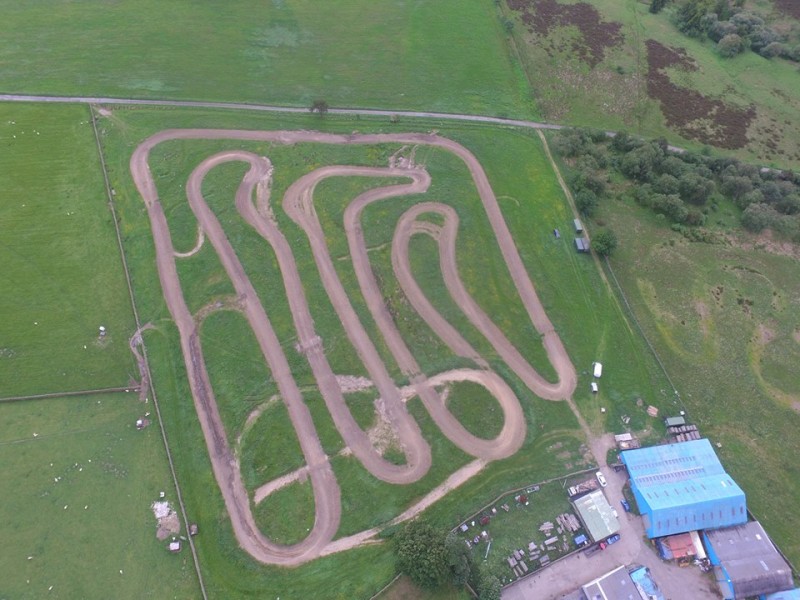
(683, 487)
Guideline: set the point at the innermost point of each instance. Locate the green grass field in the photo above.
(62, 276)
(351, 53)
(724, 319)
(613, 94)
(76, 517)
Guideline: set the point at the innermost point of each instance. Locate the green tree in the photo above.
(758, 217)
(731, 45)
(459, 559)
(656, 6)
(604, 242)
(488, 585)
(586, 201)
(421, 554)
(320, 106)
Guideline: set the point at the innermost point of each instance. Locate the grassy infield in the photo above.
(588, 319)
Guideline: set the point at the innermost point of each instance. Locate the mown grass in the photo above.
(722, 318)
(61, 277)
(76, 517)
(475, 408)
(613, 95)
(351, 53)
(573, 293)
(287, 515)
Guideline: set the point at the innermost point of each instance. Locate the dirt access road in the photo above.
(298, 203)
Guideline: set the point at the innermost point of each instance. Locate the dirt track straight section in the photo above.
(298, 202)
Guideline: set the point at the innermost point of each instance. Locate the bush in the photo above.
(586, 202)
(421, 554)
(695, 189)
(758, 217)
(604, 242)
(731, 45)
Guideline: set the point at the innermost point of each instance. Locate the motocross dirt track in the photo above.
(298, 204)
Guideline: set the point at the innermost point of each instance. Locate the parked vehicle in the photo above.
(613, 539)
(593, 549)
(601, 479)
(625, 505)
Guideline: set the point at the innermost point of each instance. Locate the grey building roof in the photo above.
(597, 515)
(750, 559)
(616, 585)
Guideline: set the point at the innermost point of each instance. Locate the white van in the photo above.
(601, 479)
(594, 387)
(598, 369)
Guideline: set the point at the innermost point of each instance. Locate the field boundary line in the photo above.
(112, 207)
(386, 587)
(111, 390)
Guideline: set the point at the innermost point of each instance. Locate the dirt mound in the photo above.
(693, 115)
(595, 35)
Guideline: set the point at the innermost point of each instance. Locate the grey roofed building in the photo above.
(616, 585)
(596, 515)
(746, 563)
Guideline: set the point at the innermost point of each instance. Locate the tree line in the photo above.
(432, 557)
(685, 187)
(733, 28)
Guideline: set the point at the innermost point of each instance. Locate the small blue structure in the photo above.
(787, 595)
(683, 487)
(641, 577)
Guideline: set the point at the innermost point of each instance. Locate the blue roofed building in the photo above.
(683, 487)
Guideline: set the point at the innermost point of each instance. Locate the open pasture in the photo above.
(77, 521)
(61, 275)
(724, 320)
(530, 202)
(445, 55)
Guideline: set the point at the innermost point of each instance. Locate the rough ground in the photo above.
(298, 203)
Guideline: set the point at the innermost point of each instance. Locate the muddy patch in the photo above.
(594, 36)
(687, 111)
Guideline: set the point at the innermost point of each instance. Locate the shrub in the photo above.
(604, 242)
(731, 45)
(758, 217)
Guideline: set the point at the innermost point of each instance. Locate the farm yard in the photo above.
(525, 530)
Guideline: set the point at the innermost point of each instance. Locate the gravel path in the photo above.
(298, 203)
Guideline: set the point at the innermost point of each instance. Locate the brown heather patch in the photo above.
(790, 7)
(693, 115)
(595, 35)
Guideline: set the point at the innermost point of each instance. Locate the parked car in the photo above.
(613, 539)
(594, 548)
(625, 505)
(601, 479)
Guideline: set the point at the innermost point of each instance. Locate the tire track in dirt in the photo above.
(298, 202)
